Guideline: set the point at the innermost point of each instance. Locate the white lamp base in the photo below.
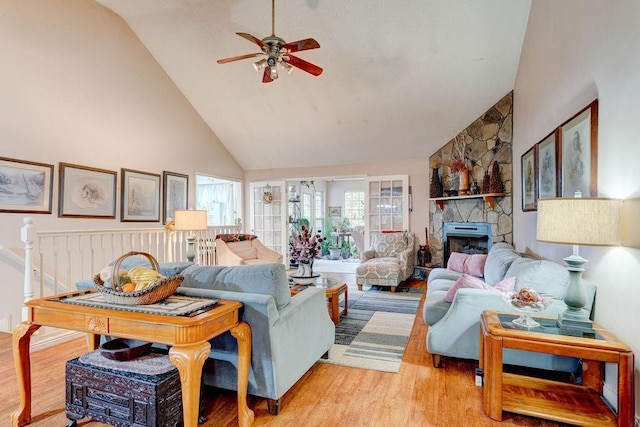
(191, 252)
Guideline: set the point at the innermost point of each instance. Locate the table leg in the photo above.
(626, 391)
(189, 359)
(334, 308)
(22, 360)
(242, 333)
(493, 377)
(346, 302)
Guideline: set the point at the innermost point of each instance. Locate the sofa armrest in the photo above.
(458, 332)
(225, 256)
(267, 254)
(368, 254)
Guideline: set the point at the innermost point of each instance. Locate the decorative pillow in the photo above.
(468, 264)
(467, 281)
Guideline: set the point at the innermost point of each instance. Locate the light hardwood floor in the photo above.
(328, 395)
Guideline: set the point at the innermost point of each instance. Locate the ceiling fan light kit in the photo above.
(277, 51)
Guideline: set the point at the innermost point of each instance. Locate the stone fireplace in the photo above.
(467, 238)
(486, 140)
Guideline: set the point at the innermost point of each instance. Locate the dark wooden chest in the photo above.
(122, 398)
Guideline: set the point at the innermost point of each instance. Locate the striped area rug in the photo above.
(375, 333)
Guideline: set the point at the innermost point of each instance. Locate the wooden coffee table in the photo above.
(333, 290)
(554, 400)
(188, 337)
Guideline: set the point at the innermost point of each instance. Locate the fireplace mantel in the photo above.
(489, 198)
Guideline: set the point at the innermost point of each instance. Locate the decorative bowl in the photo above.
(304, 280)
(122, 349)
(525, 306)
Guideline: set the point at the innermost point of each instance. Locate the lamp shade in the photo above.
(191, 220)
(578, 221)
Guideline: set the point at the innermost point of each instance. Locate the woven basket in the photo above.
(149, 295)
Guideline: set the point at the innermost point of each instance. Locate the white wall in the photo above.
(576, 51)
(336, 190)
(79, 87)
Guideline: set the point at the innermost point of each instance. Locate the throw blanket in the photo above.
(235, 237)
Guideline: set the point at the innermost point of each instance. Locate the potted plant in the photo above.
(334, 251)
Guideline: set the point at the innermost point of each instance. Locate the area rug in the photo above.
(376, 330)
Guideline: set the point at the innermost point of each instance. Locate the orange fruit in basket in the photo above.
(128, 287)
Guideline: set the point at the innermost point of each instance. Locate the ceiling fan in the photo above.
(278, 52)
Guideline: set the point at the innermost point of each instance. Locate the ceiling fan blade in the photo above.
(305, 44)
(237, 58)
(266, 76)
(302, 64)
(252, 39)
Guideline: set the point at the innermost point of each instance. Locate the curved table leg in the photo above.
(21, 358)
(189, 359)
(242, 333)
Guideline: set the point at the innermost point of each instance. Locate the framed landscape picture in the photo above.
(579, 153)
(529, 179)
(176, 194)
(140, 201)
(86, 192)
(548, 167)
(25, 186)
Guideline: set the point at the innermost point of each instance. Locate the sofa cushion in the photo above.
(468, 264)
(467, 281)
(264, 279)
(499, 259)
(546, 277)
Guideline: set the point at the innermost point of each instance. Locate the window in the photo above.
(354, 207)
(221, 198)
(319, 210)
(306, 206)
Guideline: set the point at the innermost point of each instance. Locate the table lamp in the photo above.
(577, 221)
(191, 220)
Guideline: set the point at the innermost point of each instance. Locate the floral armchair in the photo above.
(388, 262)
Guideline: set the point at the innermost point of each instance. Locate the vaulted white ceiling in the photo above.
(400, 78)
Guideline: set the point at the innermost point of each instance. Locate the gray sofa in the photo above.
(454, 327)
(288, 334)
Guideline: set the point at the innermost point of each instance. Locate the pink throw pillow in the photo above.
(467, 264)
(456, 261)
(475, 264)
(467, 281)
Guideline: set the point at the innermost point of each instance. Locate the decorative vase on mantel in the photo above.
(463, 185)
(435, 189)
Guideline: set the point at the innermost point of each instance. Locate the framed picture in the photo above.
(25, 186)
(140, 199)
(529, 179)
(86, 192)
(176, 194)
(579, 153)
(335, 210)
(548, 166)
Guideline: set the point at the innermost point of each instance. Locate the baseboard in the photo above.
(5, 323)
(47, 337)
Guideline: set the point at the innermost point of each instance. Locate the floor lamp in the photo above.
(191, 221)
(578, 221)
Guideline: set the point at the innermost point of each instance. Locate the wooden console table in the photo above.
(188, 335)
(553, 400)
